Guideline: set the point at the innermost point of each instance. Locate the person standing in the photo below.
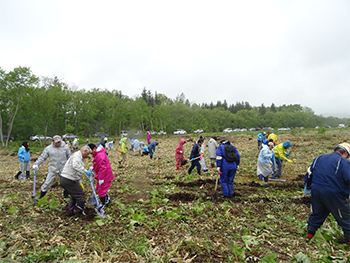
(179, 154)
(264, 162)
(330, 190)
(124, 151)
(227, 161)
(212, 147)
(149, 137)
(103, 172)
(195, 156)
(280, 156)
(70, 179)
(24, 158)
(261, 137)
(58, 153)
(202, 160)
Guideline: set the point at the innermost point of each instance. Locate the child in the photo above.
(103, 172)
(24, 158)
(195, 155)
(144, 149)
(124, 150)
(179, 154)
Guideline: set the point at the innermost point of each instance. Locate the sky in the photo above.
(261, 52)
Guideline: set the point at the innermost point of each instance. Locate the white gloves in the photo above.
(101, 182)
(218, 169)
(35, 167)
(91, 168)
(180, 151)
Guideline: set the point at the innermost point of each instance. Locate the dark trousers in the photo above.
(324, 202)
(75, 191)
(195, 163)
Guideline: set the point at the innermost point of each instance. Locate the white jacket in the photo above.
(74, 167)
(213, 147)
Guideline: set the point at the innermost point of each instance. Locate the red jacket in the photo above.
(179, 151)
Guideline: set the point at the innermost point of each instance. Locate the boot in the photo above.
(71, 207)
(212, 165)
(65, 194)
(80, 210)
(27, 175)
(177, 169)
(18, 174)
(42, 194)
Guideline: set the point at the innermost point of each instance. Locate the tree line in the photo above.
(46, 105)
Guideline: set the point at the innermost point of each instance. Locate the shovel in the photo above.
(99, 207)
(33, 196)
(199, 157)
(217, 179)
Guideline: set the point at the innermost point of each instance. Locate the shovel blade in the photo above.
(92, 201)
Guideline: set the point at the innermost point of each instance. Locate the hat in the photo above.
(57, 138)
(264, 133)
(92, 146)
(345, 146)
(271, 144)
(106, 139)
(286, 144)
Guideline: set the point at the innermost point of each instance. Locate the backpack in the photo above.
(230, 152)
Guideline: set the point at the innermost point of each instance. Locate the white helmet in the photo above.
(345, 146)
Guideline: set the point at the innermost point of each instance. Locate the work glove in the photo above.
(82, 186)
(35, 167)
(91, 168)
(273, 155)
(88, 173)
(202, 152)
(180, 151)
(307, 191)
(290, 161)
(101, 182)
(270, 163)
(287, 154)
(218, 169)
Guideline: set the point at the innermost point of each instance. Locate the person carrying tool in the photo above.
(195, 156)
(152, 148)
(103, 172)
(70, 179)
(59, 153)
(212, 148)
(280, 155)
(179, 154)
(24, 158)
(264, 162)
(261, 137)
(227, 161)
(330, 181)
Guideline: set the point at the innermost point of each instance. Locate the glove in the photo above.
(88, 173)
(91, 168)
(290, 161)
(287, 154)
(307, 191)
(270, 163)
(101, 182)
(202, 152)
(82, 186)
(273, 155)
(180, 151)
(218, 169)
(35, 167)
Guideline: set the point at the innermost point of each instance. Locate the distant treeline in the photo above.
(46, 105)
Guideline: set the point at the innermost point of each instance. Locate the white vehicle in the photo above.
(161, 133)
(237, 130)
(198, 131)
(179, 132)
(124, 134)
(244, 129)
(40, 138)
(227, 130)
(341, 125)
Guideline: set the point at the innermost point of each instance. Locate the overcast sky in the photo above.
(282, 52)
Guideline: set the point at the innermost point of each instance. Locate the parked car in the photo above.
(237, 130)
(69, 136)
(99, 135)
(40, 137)
(198, 131)
(252, 129)
(153, 132)
(11, 139)
(124, 134)
(179, 131)
(227, 130)
(161, 133)
(244, 129)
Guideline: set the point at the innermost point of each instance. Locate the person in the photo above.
(137, 146)
(148, 138)
(75, 143)
(102, 142)
(144, 149)
(87, 141)
(152, 149)
(179, 154)
(227, 161)
(273, 137)
(124, 151)
(58, 154)
(131, 144)
(212, 147)
(24, 158)
(109, 145)
(330, 190)
(264, 162)
(195, 156)
(261, 137)
(103, 172)
(280, 155)
(70, 179)
(202, 160)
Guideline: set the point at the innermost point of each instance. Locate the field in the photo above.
(159, 214)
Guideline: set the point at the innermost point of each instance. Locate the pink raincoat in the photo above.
(103, 171)
(179, 153)
(149, 136)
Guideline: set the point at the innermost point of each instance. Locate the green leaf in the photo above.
(302, 258)
(12, 210)
(269, 258)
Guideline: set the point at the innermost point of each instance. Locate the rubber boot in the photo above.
(42, 194)
(212, 165)
(27, 175)
(177, 169)
(18, 174)
(65, 194)
(80, 210)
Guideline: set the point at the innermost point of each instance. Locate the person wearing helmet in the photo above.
(280, 156)
(330, 190)
(261, 137)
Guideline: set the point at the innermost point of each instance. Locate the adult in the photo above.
(70, 179)
(152, 148)
(59, 153)
(330, 190)
(227, 161)
(212, 147)
(179, 154)
(103, 172)
(149, 137)
(273, 137)
(264, 162)
(102, 142)
(280, 156)
(124, 151)
(202, 160)
(261, 137)
(137, 146)
(195, 156)
(144, 149)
